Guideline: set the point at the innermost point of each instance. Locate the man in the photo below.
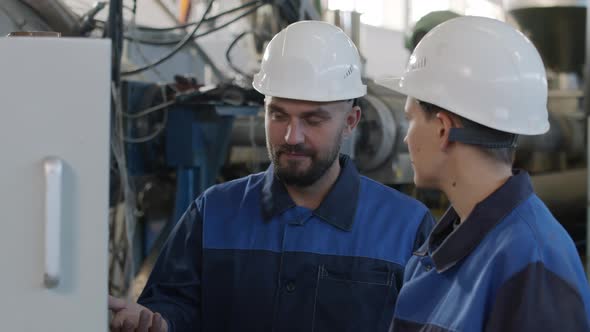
(308, 245)
(497, 260)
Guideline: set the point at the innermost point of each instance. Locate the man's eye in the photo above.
(278, 116)
(314, 120)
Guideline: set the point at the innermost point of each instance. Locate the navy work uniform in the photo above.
(244, 257)
(510, 266)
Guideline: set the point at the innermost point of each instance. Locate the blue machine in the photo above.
(197, 143)
(193, 145)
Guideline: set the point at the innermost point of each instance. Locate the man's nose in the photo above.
(295, 134)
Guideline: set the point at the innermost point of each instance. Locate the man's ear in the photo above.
(446, 122)
(352, 120)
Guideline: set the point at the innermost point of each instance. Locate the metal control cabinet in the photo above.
(54, 155)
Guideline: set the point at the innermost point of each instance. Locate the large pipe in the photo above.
(57, 15)
(563, 192)
(556, 27)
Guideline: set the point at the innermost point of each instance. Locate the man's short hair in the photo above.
(501, 145)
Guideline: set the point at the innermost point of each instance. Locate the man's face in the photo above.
(303, 138)
(423, 143)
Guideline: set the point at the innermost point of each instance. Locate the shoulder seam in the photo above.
(532, 229)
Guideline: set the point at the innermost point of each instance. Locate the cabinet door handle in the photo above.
(53, 169)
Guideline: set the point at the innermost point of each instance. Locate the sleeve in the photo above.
(423, 230)
(536, 299)
(174, 286)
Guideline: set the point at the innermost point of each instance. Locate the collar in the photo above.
(338, 207)
(448, 247)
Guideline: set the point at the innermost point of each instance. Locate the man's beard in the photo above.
(290, 175)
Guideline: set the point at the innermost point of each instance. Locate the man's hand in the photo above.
(133, 317)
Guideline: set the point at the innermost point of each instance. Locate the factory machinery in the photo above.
(179, 138)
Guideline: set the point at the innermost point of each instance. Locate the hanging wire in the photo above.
(208, 20)
(176, 49)
(196, 36)
(161, 126)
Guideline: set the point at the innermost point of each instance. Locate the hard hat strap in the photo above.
(474, 133)
(484, 137)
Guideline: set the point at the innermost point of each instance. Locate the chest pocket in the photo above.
(354, 300)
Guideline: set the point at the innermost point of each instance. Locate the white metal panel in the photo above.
(54, 101)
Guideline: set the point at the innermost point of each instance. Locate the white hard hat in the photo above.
(481, 69)
(311, 60)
